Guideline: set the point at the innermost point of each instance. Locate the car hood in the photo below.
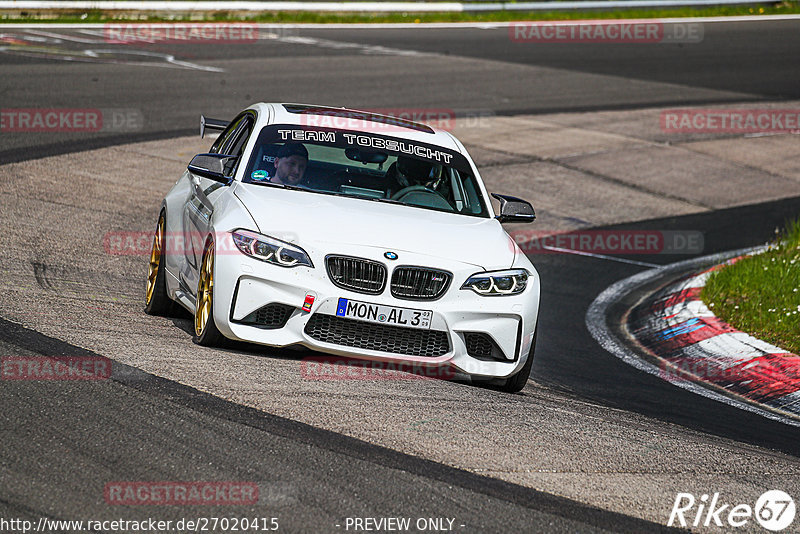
(321, 220)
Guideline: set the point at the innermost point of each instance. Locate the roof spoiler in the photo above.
(207, 123)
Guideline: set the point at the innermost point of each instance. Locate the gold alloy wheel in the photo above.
(155, 260)
(205, 291)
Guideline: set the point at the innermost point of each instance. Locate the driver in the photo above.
(409, 172)
(290, 164)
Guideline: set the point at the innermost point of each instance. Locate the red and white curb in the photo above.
(676, 327)
(692, 348)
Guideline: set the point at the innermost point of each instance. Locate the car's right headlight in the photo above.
(497, 283)
(270, 250)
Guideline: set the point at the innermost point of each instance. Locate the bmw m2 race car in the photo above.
(350, 233)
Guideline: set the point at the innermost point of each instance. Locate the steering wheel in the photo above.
(410, 189)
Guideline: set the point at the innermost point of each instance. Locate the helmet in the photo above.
(416, 171)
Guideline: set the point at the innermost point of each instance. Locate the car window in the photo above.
(233, 139)
(223, 141)
(369, 166)
(235, 145)
(239, 138)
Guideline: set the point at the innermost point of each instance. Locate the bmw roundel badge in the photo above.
(390, 255)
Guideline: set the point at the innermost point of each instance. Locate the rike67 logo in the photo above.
(774, 510)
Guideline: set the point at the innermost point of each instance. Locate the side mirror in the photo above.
(513, 209)
(212, 166)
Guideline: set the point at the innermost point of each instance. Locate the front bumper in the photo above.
(244, 285)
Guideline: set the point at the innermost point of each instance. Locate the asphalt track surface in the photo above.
(146, 428)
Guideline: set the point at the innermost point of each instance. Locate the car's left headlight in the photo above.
(270, 250)
(496, 283)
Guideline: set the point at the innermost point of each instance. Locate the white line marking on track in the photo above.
(66, 37)
(600, 256)
(104, 55)
(345, 45)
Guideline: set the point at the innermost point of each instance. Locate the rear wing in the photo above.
(207, 123)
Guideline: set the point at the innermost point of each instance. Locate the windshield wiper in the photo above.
(389, 200)
(284, 186)
(271, 184)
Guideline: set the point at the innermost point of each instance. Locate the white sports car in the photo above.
(350, 233)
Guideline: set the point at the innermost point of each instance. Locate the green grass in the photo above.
(64, 16)
(760, 294)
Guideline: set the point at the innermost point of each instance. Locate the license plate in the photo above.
(377, 313)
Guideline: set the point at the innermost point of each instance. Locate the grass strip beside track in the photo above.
(72, 16)
(760, 294)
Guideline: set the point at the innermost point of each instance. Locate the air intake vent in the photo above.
(482, 347)
(383, 338)
(269, 316)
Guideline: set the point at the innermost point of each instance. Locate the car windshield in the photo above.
(366, 165)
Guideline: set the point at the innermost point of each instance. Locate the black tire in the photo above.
(156, 300)
(206, 332)
(514, 384)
